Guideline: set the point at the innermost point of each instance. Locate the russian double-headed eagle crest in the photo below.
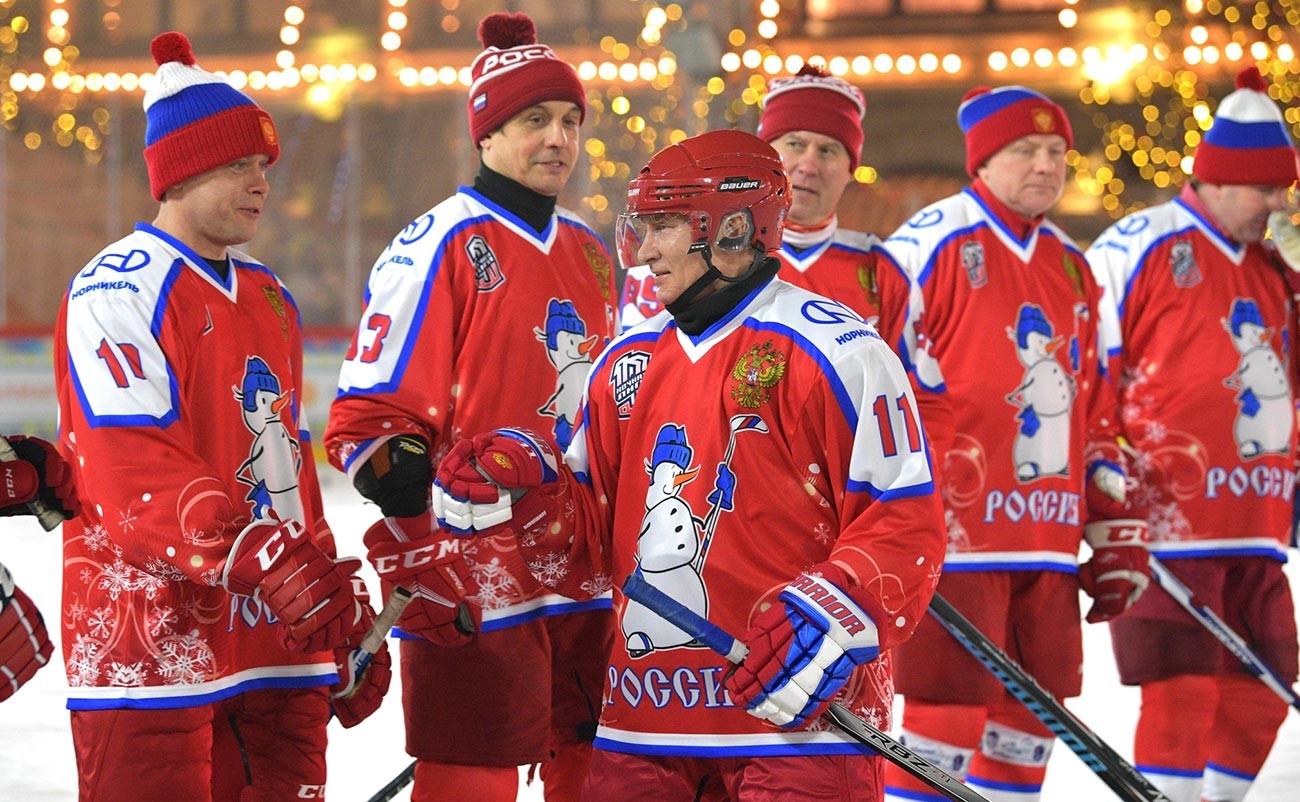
(755, 374)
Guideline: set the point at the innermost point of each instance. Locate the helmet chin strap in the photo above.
(711, 274)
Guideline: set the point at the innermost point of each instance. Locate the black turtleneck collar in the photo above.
(533, 208)
(695, 317)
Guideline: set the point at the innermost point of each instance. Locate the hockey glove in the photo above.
(397, 477)
(1118, 572)
(311, 594)
(1117, 532)
(481, 481)
(24, 644)
(802, 650)
(38, 473)
(363, 677)
(412, 552)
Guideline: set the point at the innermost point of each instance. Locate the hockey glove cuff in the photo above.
(397, 477)
(803, 650)
(24, 643)
(311, 594)
(1118, 572)
(429, 562)
(39, 472)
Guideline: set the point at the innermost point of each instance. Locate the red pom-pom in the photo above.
(814, 70)
(504, 29)
(172, 46)
(1250, 78)
(976, 92)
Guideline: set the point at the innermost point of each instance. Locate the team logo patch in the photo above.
(487, 270)
(1182, 261)
(268, 131)
(1075, 275)
(755, 374)
(599, 262)
(972, 261)
(128, 262)
(277, 306)
(867, 280)
(503, 461)
(738, 184)
(1044, 122)
(625, 379)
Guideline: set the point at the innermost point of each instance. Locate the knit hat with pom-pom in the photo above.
(515, 72)
(195, 121)
(1248, 142)
(814, 101)
(991, 119)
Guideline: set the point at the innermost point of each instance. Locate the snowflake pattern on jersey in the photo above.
(184, 660)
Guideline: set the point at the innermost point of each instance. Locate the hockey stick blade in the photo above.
(395, 785)
(734, 651)
(1220, 630)
(47, 517)
(1116, 772)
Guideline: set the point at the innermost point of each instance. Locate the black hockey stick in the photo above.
(1220, 629)
(395, 785)
(715, 638)
(1118, 774)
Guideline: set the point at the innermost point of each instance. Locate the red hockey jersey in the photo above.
(1196, 329)
(180, 398)
(799, 444)
(1006, 332)
(475, 321)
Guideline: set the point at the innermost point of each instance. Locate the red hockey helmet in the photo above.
(730, 184)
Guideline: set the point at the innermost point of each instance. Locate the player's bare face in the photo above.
(1242, 210)
(219, 208)
(818, 166)
(538, 147)
(664, 248)
(1028, 174)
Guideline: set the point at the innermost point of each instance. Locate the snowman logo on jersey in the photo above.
(1043, 399)
(570, 351)
(275, 458)
(1264, 414)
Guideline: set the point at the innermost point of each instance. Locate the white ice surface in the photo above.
(36, 763)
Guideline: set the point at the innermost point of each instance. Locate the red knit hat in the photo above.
(994, 118)
(515, 72)
(814, 101)
(195, 121)
(1248, 143)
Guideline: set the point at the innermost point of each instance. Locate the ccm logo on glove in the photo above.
(829, 601)
(273, 548)
(418, 556)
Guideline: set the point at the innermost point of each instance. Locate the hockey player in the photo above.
(487, 310)
(1007, 333)
(1216, 446)
(37, 472)
(795, 481)
(814, 120)
(204, 611)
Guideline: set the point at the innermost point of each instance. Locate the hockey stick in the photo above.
(1118, 774)
(715, 638)
(362, 655)
(1220, 629)
(49, 518)
(395, 785)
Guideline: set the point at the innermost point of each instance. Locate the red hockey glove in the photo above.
(802, 651)
(310, 593)
(480, 479)
(40, 473)
(363, 677)
(24, 644)
(1118, 572)
(427, 561)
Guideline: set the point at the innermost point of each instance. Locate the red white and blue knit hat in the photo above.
(1248, 143)
(515, 72)
(195, 121)
(994, 118)
(814, 101)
